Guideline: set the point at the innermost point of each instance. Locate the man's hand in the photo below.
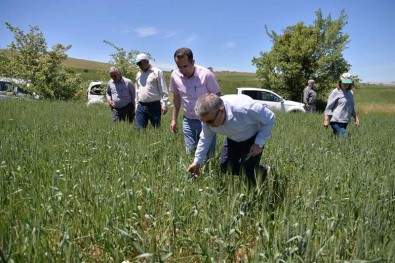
(326, 123)
(173, 126)
(356, 121)
(164, 110)
(255, 149)
(194, 169)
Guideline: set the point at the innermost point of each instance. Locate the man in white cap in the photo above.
(151, 93)
(310, 97)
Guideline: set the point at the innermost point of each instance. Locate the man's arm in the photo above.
(164, 95)
(305, 96)
(176, 109)
(265, 118)
(108, 96)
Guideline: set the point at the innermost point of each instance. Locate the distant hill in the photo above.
(85, 64)
(78, 63)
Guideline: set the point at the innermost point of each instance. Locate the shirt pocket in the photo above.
(200, 90)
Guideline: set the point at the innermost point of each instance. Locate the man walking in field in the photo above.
(120, 96)
(188, 83)
(247, 125)
(151, 93)
(310, 97)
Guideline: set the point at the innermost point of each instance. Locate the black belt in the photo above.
(123, 107)
(149, 103)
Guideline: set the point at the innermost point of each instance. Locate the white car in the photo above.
(272, 100)
(95, 93)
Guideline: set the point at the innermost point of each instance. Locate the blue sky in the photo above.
(223, 34)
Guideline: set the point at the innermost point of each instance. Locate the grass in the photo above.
(375, 98)
(75, 188)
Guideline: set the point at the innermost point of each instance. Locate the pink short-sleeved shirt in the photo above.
(202, 81)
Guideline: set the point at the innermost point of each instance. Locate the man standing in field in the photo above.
(310, 97)
(188, 83)
(247, 125)
(120, 96)
(151, 93)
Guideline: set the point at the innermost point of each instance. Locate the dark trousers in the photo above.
(148, 111)
(234, 158)
(123, 114)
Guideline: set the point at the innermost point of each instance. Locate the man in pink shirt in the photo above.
(188, 83)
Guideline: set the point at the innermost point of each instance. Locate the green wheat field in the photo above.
(76, 188)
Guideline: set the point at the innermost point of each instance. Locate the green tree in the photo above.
(303, 52)
(125, 61)
(29, 59)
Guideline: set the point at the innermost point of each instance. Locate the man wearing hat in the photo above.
(151, 93)
(310, 97)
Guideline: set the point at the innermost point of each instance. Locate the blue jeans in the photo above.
(148, 111)
(339, 128)
(192, 129)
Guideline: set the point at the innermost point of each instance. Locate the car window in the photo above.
(96, 90)
(267, 96)
(5, 86)
(255, 94)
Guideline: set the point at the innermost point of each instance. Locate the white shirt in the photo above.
(244, 118)
(151, 86)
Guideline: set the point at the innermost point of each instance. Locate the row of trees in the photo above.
(300, 53)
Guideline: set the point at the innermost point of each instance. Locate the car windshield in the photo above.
(96, 90)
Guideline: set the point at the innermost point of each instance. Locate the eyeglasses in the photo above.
(213, 120)
(139, 63)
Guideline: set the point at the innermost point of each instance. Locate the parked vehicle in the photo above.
(11, 87)
(95, 93)
(272, 100)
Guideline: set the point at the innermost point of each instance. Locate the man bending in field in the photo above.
(247, 126)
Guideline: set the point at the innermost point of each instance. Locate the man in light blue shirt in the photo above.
(247, 125)
(121, 95)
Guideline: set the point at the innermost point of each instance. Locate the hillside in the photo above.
(85, 64)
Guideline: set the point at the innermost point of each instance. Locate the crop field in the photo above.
(76, 188)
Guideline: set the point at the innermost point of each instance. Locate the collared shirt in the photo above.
(309, 96)
(244, 118)
(121, 93)
(190, 89)
(151, 86)
(340, 105)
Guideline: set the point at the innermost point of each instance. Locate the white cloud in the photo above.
(168, 35)
(146, 31)
(192, 38)
(229, 45)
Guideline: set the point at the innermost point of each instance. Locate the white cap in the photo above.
(141, 57)
(346, 78)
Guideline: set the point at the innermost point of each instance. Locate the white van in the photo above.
(96, 93)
